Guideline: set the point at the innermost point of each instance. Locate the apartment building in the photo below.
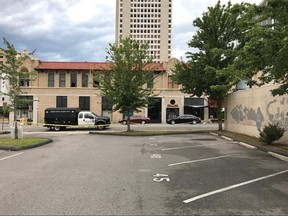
(148, 21)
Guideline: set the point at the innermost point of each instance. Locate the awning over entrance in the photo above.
(213, 103)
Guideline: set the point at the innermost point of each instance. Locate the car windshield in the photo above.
(94, 114)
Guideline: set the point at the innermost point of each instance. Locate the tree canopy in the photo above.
(217, 41)
(266, 47)
(126, 81)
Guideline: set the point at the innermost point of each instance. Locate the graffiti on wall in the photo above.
(278, 114)
(275, 111)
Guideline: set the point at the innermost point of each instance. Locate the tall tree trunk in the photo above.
(128, 124)
(3, 122)
(15, 121)
(219, 114)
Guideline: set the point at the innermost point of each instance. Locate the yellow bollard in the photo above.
(25, 120)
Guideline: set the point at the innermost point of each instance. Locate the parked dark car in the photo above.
(136, 119)
(184, 119)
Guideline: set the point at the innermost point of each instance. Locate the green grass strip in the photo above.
(27, 141)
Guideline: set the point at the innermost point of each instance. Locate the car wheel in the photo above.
(143, 122)
(57, 128)
(100, 127)
(124, 122)
(173, 122)
(194, 122)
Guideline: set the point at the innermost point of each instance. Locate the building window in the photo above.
(62, 79)
(23, 80)
(73, 80)
(84, 80)
(25, 102)
(61, 101)
(51, 79)
(24, 77)
(84, 103)
(106, 104)
(96, 80)
(172, 84)
(150, 82)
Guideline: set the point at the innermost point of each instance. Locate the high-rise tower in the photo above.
(146, 21)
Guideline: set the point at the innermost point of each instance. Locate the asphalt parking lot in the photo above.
(214, 176)
(191, 174)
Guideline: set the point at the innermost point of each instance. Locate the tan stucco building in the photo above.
(71, 84)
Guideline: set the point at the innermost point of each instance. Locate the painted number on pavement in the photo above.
(160, 177)
(153, 156)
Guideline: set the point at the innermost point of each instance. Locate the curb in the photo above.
(25, 147)
(110, 133)
(251, 146)
(227, 138)
(247, 145)
(281, 157)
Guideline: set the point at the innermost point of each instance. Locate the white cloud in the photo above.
(81, 30)
(184, 13)
(83, 11)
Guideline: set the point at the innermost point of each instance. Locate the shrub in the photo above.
(271, 133)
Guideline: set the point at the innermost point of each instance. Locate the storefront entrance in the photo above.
(172, 113)
(154, 110)
(194, 106)
(25, 108)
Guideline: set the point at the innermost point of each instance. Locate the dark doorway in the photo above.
(194, 106)
(197, 111)
(154, 110)
(171, 113)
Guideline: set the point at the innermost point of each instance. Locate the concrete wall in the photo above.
(248, 111)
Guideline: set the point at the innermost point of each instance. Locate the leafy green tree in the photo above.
(11, 73)
(217, 41)
(266, 47)
(126, 81)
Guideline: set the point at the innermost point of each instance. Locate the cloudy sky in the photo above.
(81, 30)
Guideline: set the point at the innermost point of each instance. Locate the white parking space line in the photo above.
(11, 156)
(184, 147)
(232, 187)
(195, 161)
